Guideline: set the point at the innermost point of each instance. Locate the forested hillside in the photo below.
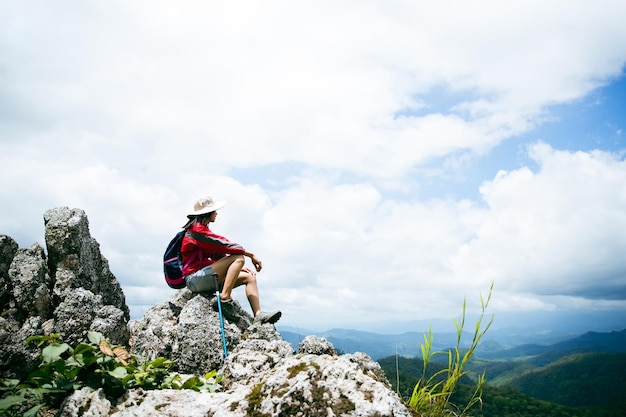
(507, 401)
(582, 385)
(590, 379)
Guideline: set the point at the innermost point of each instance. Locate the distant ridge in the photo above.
(613, 342)
(379, 346)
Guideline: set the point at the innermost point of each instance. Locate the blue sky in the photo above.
(593, 122)
(384, 160)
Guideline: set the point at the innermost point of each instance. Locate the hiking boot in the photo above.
(267, 317)
(228, 308)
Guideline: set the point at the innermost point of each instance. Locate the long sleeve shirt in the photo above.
(201, 247)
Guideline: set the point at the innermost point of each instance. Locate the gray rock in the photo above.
(265, 378)
(315, 345)
(76, 255)
(17, 359)
(186, 328)
(262, 374)
(317, 385)
(31, 283)
(154, 334)
(26, 304)
(8, 249)
(86, 403)
(69, 292)
(111, 321)
(82, 311)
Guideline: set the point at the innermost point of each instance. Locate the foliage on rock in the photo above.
(94, 364)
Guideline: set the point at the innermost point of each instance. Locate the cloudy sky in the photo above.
(384, 159)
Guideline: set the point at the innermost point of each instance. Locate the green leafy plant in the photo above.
(20, 401)
(431, 395)
(95, 364)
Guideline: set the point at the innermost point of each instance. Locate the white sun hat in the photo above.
(206, 205)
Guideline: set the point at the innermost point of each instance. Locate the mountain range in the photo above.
(503, 344)
(583, 376)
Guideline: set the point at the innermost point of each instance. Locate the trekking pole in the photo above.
(219, 309)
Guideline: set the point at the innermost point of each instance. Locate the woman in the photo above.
(204, 253)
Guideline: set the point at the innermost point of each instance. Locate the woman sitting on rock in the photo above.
(204, 253)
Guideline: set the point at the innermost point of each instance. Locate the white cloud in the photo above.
(316, 122)
(556, 231)
(295, 81)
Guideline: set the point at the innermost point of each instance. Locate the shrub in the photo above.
(95, 364)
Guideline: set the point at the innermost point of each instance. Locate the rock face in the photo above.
(263, 375)
(72, 291)
(297, 385)
(186, 329)
(68, 292)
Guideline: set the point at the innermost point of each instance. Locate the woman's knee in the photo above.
(238, 260)
(222, 266)
(246, 277)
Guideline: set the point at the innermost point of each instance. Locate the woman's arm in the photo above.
(258, 265)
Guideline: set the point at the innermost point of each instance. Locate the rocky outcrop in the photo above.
(186, 329)
(68, 292)
(262, 374)
(72, 291)
(75, 260)
(298, 385)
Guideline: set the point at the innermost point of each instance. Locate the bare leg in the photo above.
(231, 273)
(248, 277)
(228, 270)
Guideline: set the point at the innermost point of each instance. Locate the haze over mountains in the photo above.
(507, 333)
(580, 375)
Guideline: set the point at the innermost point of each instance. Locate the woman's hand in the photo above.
(248, 271)
(256, 262)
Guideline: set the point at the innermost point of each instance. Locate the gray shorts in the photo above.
(201, 281)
